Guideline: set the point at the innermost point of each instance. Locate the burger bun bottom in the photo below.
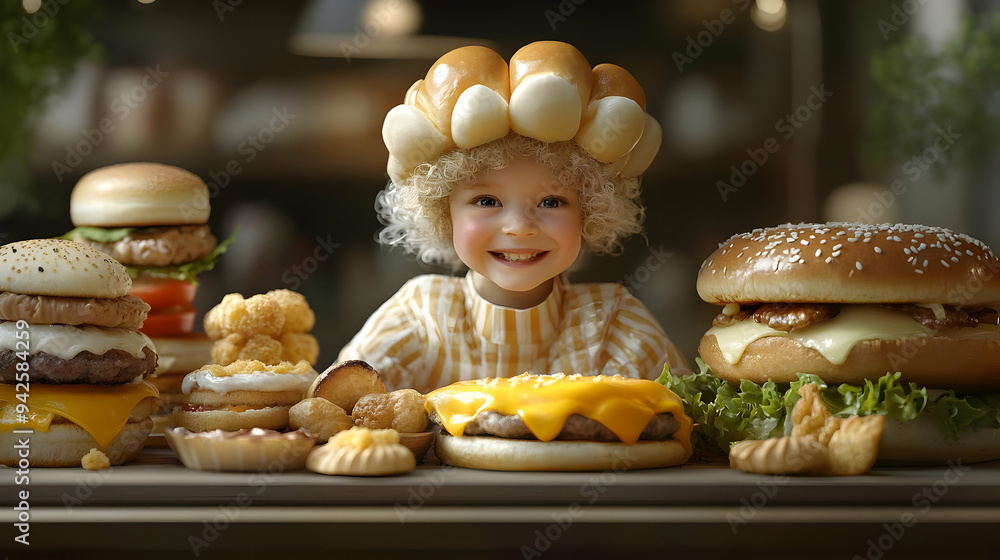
(271, 418)
(65, 444)
(503, 454)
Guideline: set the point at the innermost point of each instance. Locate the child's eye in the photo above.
(552, 202)
(486, 202)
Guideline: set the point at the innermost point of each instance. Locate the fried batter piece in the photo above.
(854, 447)
(238, 347)
(258, 315)
(299, 318)
(319, 417)
(401, 410)
(299, 346)
(820, 442)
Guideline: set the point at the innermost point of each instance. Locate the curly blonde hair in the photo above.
(417, 216)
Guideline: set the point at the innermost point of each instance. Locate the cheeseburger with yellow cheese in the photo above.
(560, 423)
(72, 361)
(899, 320)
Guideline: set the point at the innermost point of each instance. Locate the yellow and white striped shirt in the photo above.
(437, 330)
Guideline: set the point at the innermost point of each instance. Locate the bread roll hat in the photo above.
(548, 92)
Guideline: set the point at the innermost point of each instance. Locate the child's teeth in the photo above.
(518, 256)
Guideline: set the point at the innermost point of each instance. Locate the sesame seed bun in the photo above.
(137, 195)
(851, 263)
(55, 267)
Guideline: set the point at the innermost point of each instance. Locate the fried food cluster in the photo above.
(352, 394)
(95, 460)
(271, 328)
(820, 443)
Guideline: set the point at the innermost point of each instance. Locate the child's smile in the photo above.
(517, 228)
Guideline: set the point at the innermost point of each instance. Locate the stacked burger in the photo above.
(153, 219)
(72, 362)
(898, 320)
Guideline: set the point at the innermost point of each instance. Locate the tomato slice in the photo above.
(172, 321)
(163, 293)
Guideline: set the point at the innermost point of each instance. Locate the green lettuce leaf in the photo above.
(727, 413)
(99, 234)
(187, 271)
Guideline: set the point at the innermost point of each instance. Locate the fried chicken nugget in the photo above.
(299, 318)
(409, 414)
(299, 346)
(401, 410)
(235, 315)
(319, 417)
(854, 447)
(238, 347)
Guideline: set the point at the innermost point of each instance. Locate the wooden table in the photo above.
(702, 509)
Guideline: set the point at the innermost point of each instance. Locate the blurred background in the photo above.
(772, 110)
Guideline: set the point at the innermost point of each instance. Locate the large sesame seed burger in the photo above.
(560, 423)
(899, 320)
(153, 218)
(72, 361)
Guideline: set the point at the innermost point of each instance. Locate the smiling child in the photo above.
(528, 179)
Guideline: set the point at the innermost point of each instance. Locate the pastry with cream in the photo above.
(242, 395)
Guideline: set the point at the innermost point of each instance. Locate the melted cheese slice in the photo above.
(63, 341)
(544, 402)
(834, 338)
(101, 410)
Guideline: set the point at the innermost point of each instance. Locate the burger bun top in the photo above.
(851, 263)
(55, 267)
(139, 195)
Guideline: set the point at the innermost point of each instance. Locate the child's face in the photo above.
(518, 227)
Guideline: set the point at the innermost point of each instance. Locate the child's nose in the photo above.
(519, 221)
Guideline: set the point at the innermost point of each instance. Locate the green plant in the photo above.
(39, 52)
(920, 90)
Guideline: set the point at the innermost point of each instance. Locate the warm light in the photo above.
(146, 1)
(769, 15)
(31, 6)
(397, 17)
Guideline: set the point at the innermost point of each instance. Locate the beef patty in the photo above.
(114, 367)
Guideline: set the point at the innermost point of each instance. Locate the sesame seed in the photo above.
(945, 263)
(819, 252)
(852, 239)
(969, 252)
(829, 260)
(835, 253)
(954, 259)
(822, 241)
(907, 251)
(919, 271)
(838, 246)
(896, 238)
(918, 235)
(878, 249)
(857, 264)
